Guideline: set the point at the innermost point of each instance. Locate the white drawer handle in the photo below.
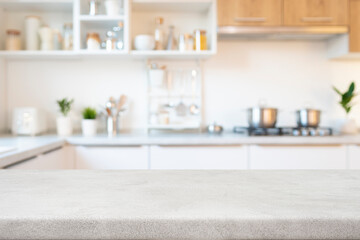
(317, 19)
(249, 19)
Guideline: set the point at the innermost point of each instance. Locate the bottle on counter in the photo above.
(171, 43)
(32, 26)
(68, 37)
(93, 41)
(13, 41)
(159, 34)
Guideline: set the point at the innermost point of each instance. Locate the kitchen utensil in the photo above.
(215, 128)
(262, 117)
(121, 103)
(144, 42)
(194, 109)
(308, 117)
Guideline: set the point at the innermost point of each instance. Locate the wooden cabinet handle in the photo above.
(317, 19)
(249, 19)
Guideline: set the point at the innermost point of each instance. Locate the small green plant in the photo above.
(89, 113)
(65, 105)
(347, 97)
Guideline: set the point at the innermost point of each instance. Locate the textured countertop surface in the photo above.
(180, 204)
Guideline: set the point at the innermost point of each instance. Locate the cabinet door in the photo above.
(198, 157)
(112, 157)
(315, 12)
(52, 160)
(297, 157)
(249, 12)
(354, 157)
(354, 26)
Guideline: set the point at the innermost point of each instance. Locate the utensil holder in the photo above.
(111, 126)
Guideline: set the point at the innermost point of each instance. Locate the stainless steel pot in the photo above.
(308, 118)
(261, 117)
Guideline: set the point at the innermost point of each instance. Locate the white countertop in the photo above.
(180, 205)
(27, 147)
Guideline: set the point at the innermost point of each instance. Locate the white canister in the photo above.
(113, 7)
(32, 25)
(47, 38)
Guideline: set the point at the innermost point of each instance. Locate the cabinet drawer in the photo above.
(249, 12)
(298, 157)
(316, 12)
(52, 160)
(111, 157)
(198, 157)
(354, 157)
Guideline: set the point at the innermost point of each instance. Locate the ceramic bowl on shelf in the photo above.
(144, 42)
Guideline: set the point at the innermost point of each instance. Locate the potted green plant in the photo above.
(348, 125)
(63, 122)
(88, 123)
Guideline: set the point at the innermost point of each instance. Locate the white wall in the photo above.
(287, 74)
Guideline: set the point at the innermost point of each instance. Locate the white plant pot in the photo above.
(347, 127)
(64, 126)
(89, 127)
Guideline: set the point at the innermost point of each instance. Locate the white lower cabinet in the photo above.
(51, 160)
(135, 157)
(354, 156)
(298, 157)
(198, 157)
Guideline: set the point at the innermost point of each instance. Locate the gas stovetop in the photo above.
(284, 131)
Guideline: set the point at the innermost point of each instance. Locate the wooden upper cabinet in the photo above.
(316, 12)
(249, 12)
(354, 26)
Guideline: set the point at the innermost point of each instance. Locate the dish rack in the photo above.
(174, 96)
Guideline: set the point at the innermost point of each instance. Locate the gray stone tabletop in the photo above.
(179, 205)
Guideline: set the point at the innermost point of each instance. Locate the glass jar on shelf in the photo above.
(13, 41)
(110, 41)
(93, 41)
(200, 40)
(119, 35)
(68, 37)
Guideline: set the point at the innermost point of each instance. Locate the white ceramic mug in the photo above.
(113, 7)
(144, 42)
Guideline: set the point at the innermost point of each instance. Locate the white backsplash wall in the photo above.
(288, 75)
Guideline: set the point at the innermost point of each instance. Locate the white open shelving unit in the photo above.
(138, 18)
